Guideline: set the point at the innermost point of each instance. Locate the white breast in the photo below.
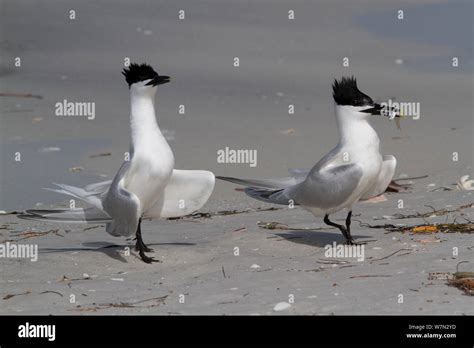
(149, 173)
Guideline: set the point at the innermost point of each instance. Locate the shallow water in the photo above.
(447, 25)
(22, 181)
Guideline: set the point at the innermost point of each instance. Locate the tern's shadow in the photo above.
(111, 250)
(316, 238)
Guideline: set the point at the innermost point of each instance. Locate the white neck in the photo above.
(143, 119)
(354, 130)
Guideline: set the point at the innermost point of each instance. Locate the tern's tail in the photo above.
(263, 183)
(90, 195)
(78, 215)
(280, 196)
(274, 191)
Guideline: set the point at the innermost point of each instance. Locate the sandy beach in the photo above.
(238, 256)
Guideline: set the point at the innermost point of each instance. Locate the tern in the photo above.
(146, 185)
(353, 170)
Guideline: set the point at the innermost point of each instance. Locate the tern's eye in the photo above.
(366, 100)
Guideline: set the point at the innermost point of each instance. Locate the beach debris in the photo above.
(462, 280)
(331, 262)
(36, 119)
(225, 213)
(399, 61)
(281, 306)
(464, 283)
(33, 234)
(157, 301)
(437, 228)
(428, 240)
(242, 229)
(371, 276)
(103, 154)
(424, 229)
(255, 266)
(9, 296)
(91, 228)
(49, 149)
(396, 252)
(432, 213)
(51, 292)
(273, 225)
(288, 131)
(66, 279)
(76, 169)
(439, 275)
(21, 95)
(223, 272)
(441, 188)
(464, 184)
(227, 302)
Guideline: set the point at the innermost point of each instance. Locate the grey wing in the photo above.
(299, 173)
(122, 205)
(99, 187)
(335, 157)
(328, 188)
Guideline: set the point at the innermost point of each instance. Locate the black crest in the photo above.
(141, 72)
(345, 92)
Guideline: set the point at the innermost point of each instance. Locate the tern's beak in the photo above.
(379, 110)
(158, 80)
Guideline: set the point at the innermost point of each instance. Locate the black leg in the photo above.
(343, 229)
(348, 228)
(140, 244)
(141, 247)
(348, 225)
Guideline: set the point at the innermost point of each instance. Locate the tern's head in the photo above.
(142, 79)
(351, 102)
